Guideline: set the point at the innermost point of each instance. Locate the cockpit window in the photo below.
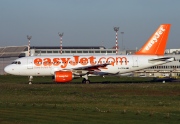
(16, 62)
(13, 62)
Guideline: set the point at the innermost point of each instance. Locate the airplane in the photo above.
(65, 68)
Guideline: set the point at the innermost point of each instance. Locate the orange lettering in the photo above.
(38, 61)
(112, 63)
(47, 62)
(75, 62)
(56, 61)
(92, 60)
(83, 61)
(100, 61)
(121, 58)
(65, 62)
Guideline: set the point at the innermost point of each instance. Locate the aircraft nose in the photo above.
(7, 69)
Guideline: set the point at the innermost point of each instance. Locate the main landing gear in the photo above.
(30, 79)
(85, 79)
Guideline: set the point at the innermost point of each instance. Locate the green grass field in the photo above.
(45, 102)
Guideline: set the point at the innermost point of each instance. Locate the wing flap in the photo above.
(91, 69)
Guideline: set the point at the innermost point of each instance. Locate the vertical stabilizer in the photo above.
(156, 44)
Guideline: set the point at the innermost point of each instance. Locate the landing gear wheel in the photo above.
(84, 81)
(87, 81)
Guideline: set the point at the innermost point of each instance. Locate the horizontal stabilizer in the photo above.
(163, 59)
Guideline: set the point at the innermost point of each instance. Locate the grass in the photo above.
(47, 80)
(46, 102)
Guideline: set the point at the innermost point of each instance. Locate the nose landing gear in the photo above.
(30, 79)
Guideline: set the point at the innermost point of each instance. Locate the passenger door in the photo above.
(135, 61)
(29, 63)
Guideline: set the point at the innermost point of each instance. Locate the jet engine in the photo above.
(63, 76)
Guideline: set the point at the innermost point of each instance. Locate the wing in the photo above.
(91, 69)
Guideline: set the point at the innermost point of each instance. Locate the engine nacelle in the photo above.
(63, 76)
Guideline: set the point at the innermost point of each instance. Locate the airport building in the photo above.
(72, 50)
(10, 53)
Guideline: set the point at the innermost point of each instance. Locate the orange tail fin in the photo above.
(156, 44)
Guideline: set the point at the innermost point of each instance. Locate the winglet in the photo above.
(156, 44)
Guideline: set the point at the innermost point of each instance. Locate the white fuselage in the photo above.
(47, 65)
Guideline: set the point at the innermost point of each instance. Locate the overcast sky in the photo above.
(87, 22)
